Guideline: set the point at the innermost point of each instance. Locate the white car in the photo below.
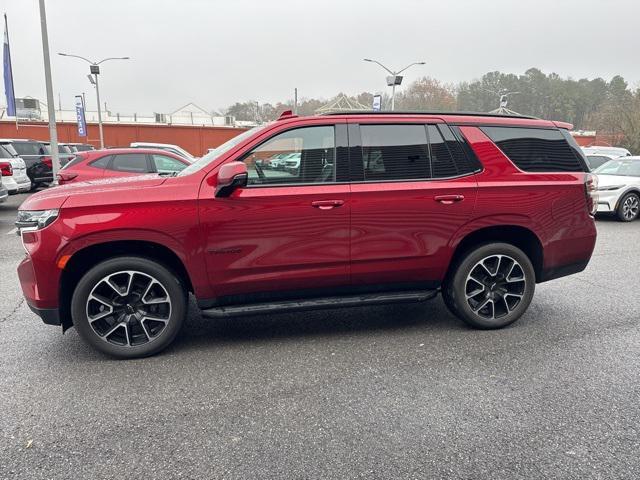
(596, 160)
(603, 150)
(168, 147)
(619, 187)
(3, 190)
(14, 171)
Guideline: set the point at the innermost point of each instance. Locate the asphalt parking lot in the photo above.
(384, 392)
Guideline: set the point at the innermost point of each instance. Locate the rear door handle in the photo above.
(327, 204)
(448, 199)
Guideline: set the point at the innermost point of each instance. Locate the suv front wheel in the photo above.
(491, 286)
(128, 307)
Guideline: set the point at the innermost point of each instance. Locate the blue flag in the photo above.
(8, 74)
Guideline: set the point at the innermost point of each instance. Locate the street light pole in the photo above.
(94, 68)
(95, 76)
(51, 108)
(394, 78)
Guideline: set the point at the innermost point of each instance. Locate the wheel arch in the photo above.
(633, 189)
(521, 237)
(85, 258)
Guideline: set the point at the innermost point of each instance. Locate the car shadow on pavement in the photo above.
(199, 332)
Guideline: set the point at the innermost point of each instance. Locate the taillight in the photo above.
(591, 191)
(66, 177)
(47, 161)
(6, 169)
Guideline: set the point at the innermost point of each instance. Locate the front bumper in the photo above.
(608, 200)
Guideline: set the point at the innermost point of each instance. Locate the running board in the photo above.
(321, 303)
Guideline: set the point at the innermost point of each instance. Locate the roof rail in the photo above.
(419, 112)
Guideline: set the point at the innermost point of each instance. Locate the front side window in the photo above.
(302, 155)
(394, 152)
(166, 164)
(130, 162)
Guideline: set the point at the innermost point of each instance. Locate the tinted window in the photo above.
(166, 164)
(29, 148)
(395, 152)
(463, 155)
(83, 148)
(442, 163)
(130, 162)
(102, 162)
(302, 155)
(536, 149)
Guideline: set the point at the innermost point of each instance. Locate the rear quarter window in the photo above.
(537, 149)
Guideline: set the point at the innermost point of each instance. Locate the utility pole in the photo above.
(51, 108)
(295, 100)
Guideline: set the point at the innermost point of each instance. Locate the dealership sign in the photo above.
(82, 123)
(377, 103)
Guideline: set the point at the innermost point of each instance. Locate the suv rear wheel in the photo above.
(128, 307)
(491, 286)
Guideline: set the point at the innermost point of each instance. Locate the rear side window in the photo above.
(442, 162)
(77, 159)
(536, 149)
(395, 152)
(130, 162)
(4, 153)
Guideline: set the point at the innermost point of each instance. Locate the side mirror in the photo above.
(231, 176)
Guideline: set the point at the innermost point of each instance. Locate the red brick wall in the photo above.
(194, 139)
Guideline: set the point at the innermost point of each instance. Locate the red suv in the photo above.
(382, 208)
(119, 162)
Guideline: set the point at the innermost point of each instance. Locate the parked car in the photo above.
(13, 170)
(119, 162)
(37, 159)
(292, 163)
(594, 161)
(619, 188)
(606, 150)
(65, 154)
(175, 149)
(4, 193)
(78, 147)
(477, 207)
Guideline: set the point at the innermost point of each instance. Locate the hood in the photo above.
(55, 197)
(608, 180)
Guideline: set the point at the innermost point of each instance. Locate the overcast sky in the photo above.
(215, 52)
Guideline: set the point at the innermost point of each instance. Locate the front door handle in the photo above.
(327, 204)
(448, 199)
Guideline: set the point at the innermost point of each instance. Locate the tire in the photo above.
(137, 307)
(500, 280)
(628, 207)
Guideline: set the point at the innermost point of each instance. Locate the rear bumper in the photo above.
(17, 185)
(50, 316)
(562, 271)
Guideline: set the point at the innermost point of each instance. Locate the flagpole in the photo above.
(6, 29)
(53, 133)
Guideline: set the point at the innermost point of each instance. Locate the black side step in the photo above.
(321, 303)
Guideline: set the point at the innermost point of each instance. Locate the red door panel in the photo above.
(401, 230)
(276, 238)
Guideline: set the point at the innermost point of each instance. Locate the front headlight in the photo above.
(608, 188)
(35, 219)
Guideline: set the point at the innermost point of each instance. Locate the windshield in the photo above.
(216, 152)
(626, 168)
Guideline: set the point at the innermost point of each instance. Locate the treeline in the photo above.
(610, 107)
